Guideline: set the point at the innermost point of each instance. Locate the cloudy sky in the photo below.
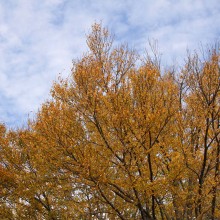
(40, 38)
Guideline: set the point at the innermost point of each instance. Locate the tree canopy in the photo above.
(121, 138)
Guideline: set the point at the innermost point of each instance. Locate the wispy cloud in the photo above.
(39, 39)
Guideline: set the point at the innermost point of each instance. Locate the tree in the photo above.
(202, 111)
(120, 139)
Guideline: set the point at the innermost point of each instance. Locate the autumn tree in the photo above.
(200, 131)
(121, 138)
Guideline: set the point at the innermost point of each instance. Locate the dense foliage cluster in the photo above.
(120, 139)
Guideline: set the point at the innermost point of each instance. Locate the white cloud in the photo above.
(39, 39)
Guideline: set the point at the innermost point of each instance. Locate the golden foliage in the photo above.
(119, 139)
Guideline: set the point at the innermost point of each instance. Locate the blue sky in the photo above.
(40, 38)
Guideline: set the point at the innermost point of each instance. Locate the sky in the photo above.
(40, 38)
